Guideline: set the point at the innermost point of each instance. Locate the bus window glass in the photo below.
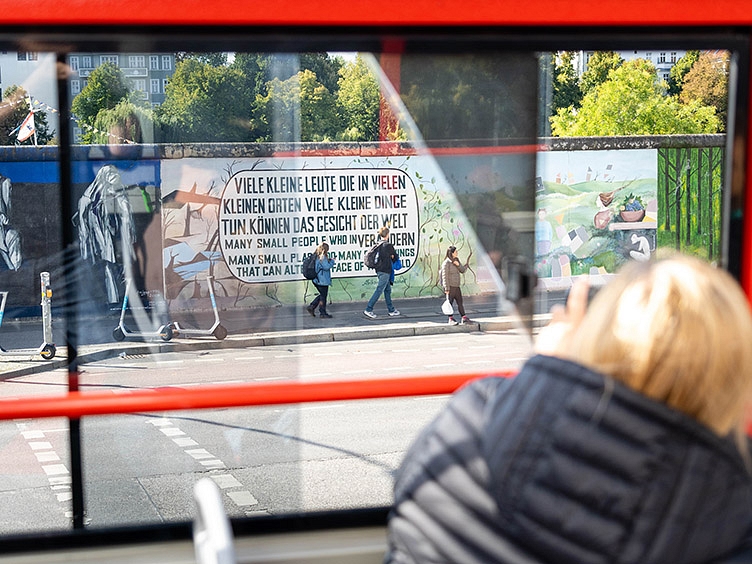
(168, 243)
(635, 162)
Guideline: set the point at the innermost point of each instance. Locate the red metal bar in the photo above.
(385, 12)
(75, 405)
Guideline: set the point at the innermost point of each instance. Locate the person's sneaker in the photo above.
(394, 313)
(311, 310)
(325, 316)
(452, 321)
(465, 319)
(369, 314)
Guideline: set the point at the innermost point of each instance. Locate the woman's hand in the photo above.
(554, 338)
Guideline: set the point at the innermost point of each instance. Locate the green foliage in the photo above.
(125, 122)
(358, 99)
(599, 67)
(566, 90)
(707, 83)
(303, 109)
(204, 103)
(213, 59)
(632, 102)
(471, 96)
(679, 71)
(105, 90)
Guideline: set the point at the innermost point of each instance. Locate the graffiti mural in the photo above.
(249, 222)
(594, 211)
(10, 240)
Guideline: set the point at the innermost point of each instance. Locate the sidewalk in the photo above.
(250, 328)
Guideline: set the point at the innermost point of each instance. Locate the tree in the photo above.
(566, 90)
(707, 83)
(123, 123)
(204, 103)
(632, 102)
(213, 59)
(599, 66)
(358, 100)
(325, 67)
(297, 109)
(106, 88)
(679, 70)
(13, 111)
(471, 96)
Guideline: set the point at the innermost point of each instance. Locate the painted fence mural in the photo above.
(250, 222)
(595, 210)
(167, 223)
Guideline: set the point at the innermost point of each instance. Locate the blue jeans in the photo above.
(382, 287)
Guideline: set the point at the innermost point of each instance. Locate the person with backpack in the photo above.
(322, 281)
(383, 266)
(451, 269)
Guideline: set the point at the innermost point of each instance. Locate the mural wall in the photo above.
(595, 210)
(167, 218)
(249, 223)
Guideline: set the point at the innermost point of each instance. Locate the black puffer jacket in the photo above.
(559, 465)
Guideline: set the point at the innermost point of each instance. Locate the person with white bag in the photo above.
(451, 269)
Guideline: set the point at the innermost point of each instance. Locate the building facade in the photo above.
(662, 59)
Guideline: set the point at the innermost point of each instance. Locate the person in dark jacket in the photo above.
(387, 256)
(622, 441)
(323, 280)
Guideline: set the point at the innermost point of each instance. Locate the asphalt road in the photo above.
(140, 468)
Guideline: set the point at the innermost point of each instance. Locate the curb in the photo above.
(28, 365)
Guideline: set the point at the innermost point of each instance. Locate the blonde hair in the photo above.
(322, 249)
(676, 330)
(384, 232)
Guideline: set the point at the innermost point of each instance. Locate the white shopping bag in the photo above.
(447, 308)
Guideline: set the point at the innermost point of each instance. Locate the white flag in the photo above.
(27, 128)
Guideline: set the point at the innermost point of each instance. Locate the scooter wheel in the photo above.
(220, 333)
(48, 352)
(165, 332)
(118, 334)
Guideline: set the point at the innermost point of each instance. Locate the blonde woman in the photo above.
(622, 442)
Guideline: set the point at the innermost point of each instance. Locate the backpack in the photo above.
(309, 267)
(371, 258)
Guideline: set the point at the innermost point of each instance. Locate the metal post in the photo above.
(46, 306)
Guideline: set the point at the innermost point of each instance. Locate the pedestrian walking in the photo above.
(387, 256)
(323, 280)
(451, 269)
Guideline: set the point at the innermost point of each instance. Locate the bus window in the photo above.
(179, 188)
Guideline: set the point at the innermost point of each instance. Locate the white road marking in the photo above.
(39, 445)
(225, 481)
(55, 469)
(184, 442)
(200, 453)
(242, 498)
